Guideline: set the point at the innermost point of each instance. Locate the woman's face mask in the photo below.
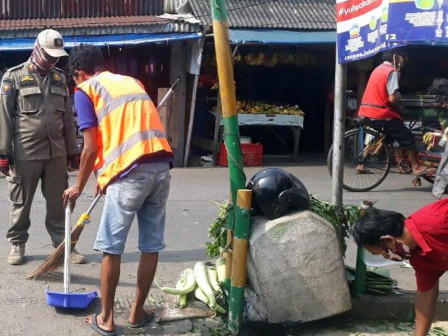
(398, 252)
(391, 249)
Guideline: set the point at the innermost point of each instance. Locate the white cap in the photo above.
(51, 41)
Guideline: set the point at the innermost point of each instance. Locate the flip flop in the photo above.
(94, 325)
(427, 171)
(149, 316)
(364, 171)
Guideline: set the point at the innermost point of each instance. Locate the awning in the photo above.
(271, 36)
(125, 40)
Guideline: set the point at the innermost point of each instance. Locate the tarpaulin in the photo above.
(124, 40)
(274, 36)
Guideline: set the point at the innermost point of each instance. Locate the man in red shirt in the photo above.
(381, 104)
(422, 238)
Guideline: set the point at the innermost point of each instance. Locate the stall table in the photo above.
(294, 122)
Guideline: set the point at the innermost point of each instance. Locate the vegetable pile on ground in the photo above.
(204, 283)
(377, 281)
(438, 331)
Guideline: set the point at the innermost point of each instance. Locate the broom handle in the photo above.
(67, 251)
(95, 201)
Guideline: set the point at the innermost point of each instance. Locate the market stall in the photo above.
(280, 90)
(268, 115)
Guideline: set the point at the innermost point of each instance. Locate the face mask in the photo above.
(41, 59)
(401, 253)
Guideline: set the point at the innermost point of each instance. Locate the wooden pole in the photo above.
(239, 260)
(193, 107)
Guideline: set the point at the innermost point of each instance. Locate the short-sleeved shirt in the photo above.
(86, 112)
(429, 228)
(392, 82)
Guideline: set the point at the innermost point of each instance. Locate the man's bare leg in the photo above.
(110, 274)
(416, 167)
(145, 276)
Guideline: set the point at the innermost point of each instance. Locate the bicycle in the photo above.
(370, 146)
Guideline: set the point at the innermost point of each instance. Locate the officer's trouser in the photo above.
(23, 181)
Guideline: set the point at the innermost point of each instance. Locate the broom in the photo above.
(56, 259)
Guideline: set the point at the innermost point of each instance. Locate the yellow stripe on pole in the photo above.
(225, 69)
(239, 264)
(244, 199)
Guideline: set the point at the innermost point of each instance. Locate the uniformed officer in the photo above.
(37, 139)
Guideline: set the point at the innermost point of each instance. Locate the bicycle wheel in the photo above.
(363, 146)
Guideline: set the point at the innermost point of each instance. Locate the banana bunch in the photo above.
(428, 139)
(204, 282)
(263, 107)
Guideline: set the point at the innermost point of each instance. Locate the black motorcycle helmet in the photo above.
(275, 191)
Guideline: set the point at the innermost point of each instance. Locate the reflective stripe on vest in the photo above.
(128, 122)
(125, 146)
(375, 99)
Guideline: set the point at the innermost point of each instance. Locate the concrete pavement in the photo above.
(190, 211)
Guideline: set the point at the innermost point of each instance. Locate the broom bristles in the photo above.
(56, 259)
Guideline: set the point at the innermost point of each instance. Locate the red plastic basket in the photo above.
(252, 155)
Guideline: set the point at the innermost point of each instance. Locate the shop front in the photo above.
(152, 49)
(282, 96)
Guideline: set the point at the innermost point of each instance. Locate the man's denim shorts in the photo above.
(142, 192)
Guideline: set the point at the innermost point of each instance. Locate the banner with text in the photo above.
(361, 28)
(366, 27)
(418, 21)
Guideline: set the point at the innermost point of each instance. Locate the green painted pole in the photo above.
(235, 162)
(239, 260)
(228, 97)
(228, 254)
(360, 272)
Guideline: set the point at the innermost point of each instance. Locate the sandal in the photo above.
(149, 316)
(426, 171)
(94, 325)
(364, 171)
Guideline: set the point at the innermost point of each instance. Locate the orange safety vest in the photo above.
(375, 101)
(129, 125)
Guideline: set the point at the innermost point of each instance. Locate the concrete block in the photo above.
(296, 267)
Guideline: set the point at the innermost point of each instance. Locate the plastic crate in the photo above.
(252, 155)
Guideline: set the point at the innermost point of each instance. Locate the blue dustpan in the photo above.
(70, 300)
(67, 299)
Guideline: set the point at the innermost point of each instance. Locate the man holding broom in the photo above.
(422, 238)
(125, 145)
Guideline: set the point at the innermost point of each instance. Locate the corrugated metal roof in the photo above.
(22, 24)
(275, 14)
(95, 26)
(34, 9)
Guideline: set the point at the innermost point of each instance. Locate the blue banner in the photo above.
(361, 27)
(366, 27)
(418, 21)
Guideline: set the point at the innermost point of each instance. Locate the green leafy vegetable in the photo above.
(342, 220)
(218, 232)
